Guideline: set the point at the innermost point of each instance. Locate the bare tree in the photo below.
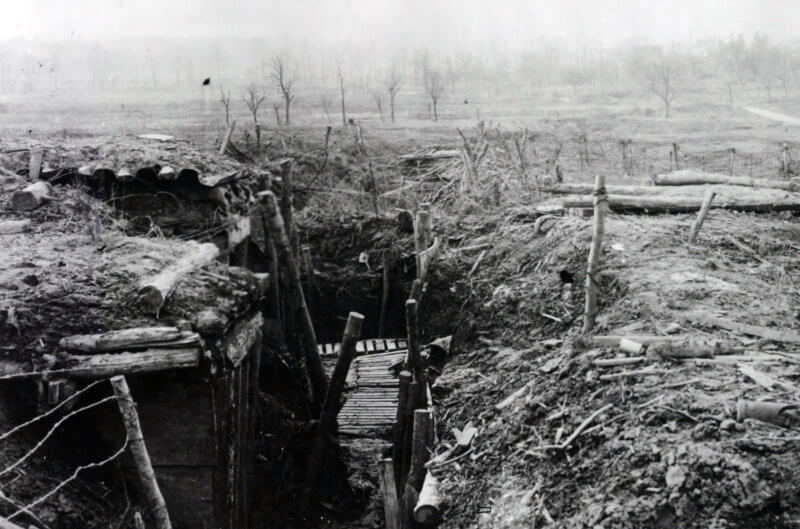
(341, 90)
(393, 86)
(283, 78)
(786, 68)
(662, 76)
(377, 96)
(434, 87)
(225, 99)
(253, 98)
(327, 105)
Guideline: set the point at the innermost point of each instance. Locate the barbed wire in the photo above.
(50, 432)
(50, 411)
(72, 477)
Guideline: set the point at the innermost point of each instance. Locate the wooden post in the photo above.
(387, 285)
(35, 165)
(227, 138)
(327, 420)
(408, 431)
(593, 266)
(269, 244)
(391, 505)
(398, 448)
(311, 285)
(414, 359)
(421, 242)
(701, 216)
(286, 207)
(278, 233)
(139, 452)
(731, 155)
(419, 456)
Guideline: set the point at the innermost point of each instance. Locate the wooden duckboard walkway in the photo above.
(378, 345)
(371, 406)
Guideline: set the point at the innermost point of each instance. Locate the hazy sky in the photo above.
(412, 22)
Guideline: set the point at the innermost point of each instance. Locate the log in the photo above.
(690, 177)
(327, 420)
(227, 138)
(272, 265)
(776, 335)
(283, 248)
(391, 505)
(428, 510)
(701, 216)
(614, 341)
(105, 365)
(686, 204)
(153, 292)
(593, 265)
(32, 196)
(784, 414)
(141, 458)
(419, 448)
(121, 339)
(7, 524)
(693, 348)
(408, 432)
(286, 206)
(11, 227)
(585, 189)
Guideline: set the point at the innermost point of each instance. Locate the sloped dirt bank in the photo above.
(667, 450)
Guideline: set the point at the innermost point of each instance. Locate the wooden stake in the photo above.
(311, 285)
(274, 294)
(419, 456)
(400, 424)
(408, 431)
(35, 165)
(327, 420)
(283, 248)
(701, 216)
(138, 450)
(421, 242)
(391, 505)
(414, 358)
(593, 265)
(286, 207)
(227, 137)
(387, 285)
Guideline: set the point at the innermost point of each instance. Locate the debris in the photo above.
(775, 335)
(32, 196)
(689, 177)
(780, 413)
(676, 476)
(157, 137)
(514, 396)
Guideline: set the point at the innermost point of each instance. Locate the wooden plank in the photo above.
(189, 494)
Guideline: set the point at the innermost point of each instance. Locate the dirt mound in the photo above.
(665, 449)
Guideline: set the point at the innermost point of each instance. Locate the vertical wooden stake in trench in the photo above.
(311, 285)
(387, 284)
(421, 242)
(35, 164)
(701, 215)
(593, 266)
(408, 431)
(400, 424)
(391, 506)
(419, 456)
(414, 359)
(283, 247)
(269, 244)
(139, 452)
(327, 420)
(286, 208)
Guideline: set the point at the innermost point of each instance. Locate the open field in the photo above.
(664, 450)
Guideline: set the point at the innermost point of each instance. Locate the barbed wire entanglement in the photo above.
(59, 414)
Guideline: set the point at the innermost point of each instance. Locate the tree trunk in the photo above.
(286, 117)
(391, 104)
(435, 113)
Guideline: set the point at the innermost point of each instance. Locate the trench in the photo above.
(348, 492)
